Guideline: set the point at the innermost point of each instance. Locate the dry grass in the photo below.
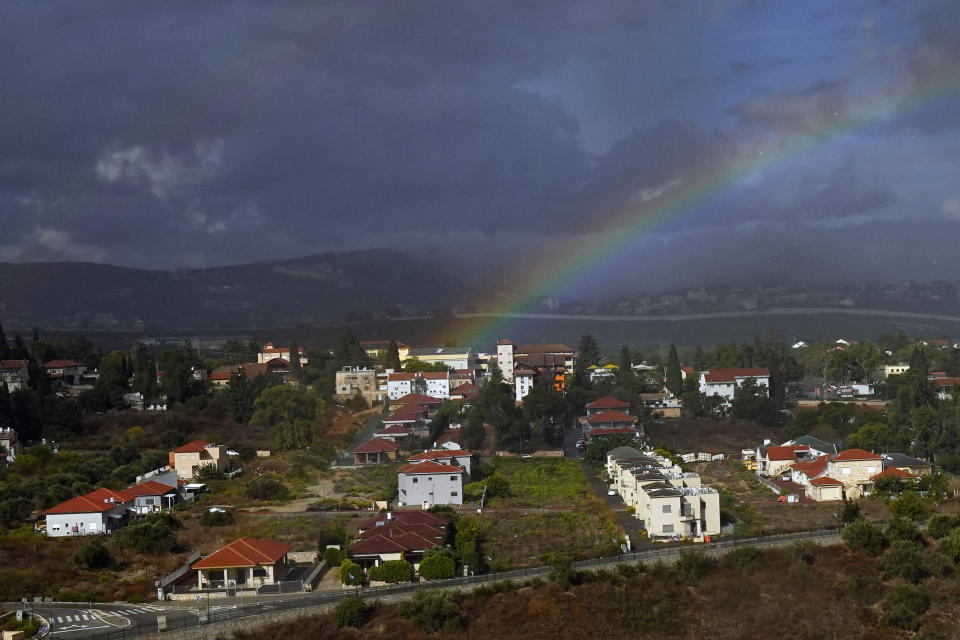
(686, 435)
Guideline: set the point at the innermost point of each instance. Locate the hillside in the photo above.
(315, 289)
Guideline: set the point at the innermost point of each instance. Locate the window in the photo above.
(668, 528)
(844, 471)
(454, 478)
(871, 469)
(666, 508)
(453, 493)
(415, 480)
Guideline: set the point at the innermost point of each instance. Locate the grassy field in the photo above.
(522, 539)
(541, 482)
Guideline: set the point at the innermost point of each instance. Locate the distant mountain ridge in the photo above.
(321, 288)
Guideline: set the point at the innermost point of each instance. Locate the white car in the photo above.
(612, 492)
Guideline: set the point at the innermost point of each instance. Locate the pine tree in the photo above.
(392, 361)
(589, 351)
(4, 347)
(674, 377)
(295, 359)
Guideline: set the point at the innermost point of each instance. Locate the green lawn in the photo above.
(540, 482)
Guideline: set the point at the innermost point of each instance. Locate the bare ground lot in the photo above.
(686, 435)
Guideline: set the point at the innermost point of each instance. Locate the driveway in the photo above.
(626, 521)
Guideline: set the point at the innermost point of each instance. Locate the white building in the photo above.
(453, 357)
(15, 374)
(96, 513)
(431, 383)
(505, 358)
(271, 351)
(9, 444)
(523, 378)
(430, 483)
(724, 382)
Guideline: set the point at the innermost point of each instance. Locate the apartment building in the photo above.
(353, 381)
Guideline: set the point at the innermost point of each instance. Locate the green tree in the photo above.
(351, 611)
(849, 512)
(912, 506)
(294, 360)
(904, 560)
(589, 350)
(153, 534)
(266, 488)
(289, 413)
(906, 606)
(351, 573)
(865, 537)
(468, 542)
(432, 611)
(347, 351)
(4, 347)
(674, 377)
(392, 571)
(438, 563)
(751, 402)
(392, 359)
(92, 556)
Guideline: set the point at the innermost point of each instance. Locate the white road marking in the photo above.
(59, 620)
(86, 617)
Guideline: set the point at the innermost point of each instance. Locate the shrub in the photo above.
(849, 512)
(432, 611)
(351, 612)
(745, 559)
(438, 563)
(903, 529)
(498, 487)
(940, 525)
(903, 560)
(208, 472)
(216, 518)
(351, 573)
(694, 565)
(906, 606)
(803, 551)
(950, 545)
(392, 571)
(333, 556)
(561, 570)
(911, 506)
(92, 555)
(153, 534)
(266, 488)
(865, 537)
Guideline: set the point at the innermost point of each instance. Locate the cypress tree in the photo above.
(674, 377)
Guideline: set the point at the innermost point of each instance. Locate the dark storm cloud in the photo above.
(183, 133)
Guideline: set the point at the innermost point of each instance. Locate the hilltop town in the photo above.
(287, 469)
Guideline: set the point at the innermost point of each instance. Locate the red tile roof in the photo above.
(404, 517)
(396, 429)
(192, 447)
(812, 468)
(729, 375)
(611, 416)
(151, 488)
(62, 364)
(825, 481)
(393, 529)
(410, 407)
(946, 382)
(375, 545)
(245, 552)
(426, 375)
(11, 364)
(96, 501)
(419, 398)
(893, 472)
(608, 402)
(377, 445)
(855, 454)
(440, 454)
(611, 431)
(423, 468)
(686, 369)
(785, 453)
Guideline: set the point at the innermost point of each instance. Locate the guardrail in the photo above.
(207, 614)
(180, 571)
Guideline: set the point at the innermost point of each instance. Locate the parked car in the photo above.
(611, 492)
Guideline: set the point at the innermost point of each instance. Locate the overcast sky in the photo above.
(185, 134)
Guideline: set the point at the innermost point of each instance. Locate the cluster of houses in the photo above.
(824, 472)
(104, 510)
(669, 502)
(609, 416)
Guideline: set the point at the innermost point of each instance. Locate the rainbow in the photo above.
(581, 254)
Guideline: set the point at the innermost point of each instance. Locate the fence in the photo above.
(202, 612)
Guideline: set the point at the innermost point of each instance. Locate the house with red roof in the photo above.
(246, 562)
(432, 383)
(607, 403)
(945, 387)
(825, 489)
(445, 455)
(772, 461)
(609, 422)
(724, 382)
(152, 496)
(188, 458)
(430, 483)
(65, 372)
(431, 403)
(855, 468)
(392, 535)
(375, 451)
(15, 374)
(271, 351)
(395, 432)
(99, 512)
